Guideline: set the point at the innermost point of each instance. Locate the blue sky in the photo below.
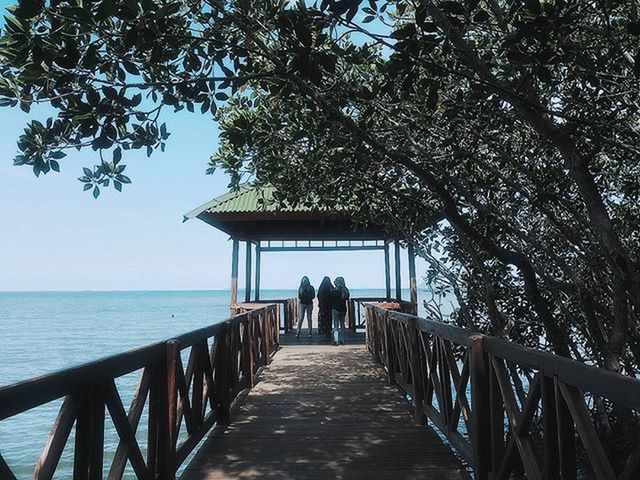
(54, 236)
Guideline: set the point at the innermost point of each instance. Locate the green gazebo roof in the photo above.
(252, 213)
(246, 199)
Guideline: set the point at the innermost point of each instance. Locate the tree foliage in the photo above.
(499, 136)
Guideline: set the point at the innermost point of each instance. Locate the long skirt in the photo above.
(324, 321)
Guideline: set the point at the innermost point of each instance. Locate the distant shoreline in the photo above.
(179, 290)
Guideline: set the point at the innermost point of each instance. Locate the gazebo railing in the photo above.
(506, 408)
(287, 310)
(357, 309)
(223, 360)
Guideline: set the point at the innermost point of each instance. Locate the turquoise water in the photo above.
(43, 332)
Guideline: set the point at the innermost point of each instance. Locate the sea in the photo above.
(42, 332)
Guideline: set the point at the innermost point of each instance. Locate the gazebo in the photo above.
(251, 215)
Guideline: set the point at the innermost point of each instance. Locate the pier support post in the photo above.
(234, 274)
(387, 270)
(397, 271)
(413, 284)
(247, 267)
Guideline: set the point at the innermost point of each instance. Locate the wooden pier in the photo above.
(323, 412)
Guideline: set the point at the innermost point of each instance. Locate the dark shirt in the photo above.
(306, 294)
(339, 299)
(325, 299)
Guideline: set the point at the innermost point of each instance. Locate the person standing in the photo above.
(306, 294)
(339, 310)
(325, 300)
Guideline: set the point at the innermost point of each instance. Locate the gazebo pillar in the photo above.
(247, 284)
(397, 271)
(234, 272)
(413, 284)
(387, 270)
(257, 281)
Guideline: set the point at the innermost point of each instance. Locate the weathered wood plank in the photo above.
(46, 466)
(135, 412)
(584, 425)
(123, 427)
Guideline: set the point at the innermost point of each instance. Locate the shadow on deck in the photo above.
(321, 411)
(289, 338)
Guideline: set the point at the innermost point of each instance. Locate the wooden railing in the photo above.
(292, 309)
(223, 360)
(288, 316)
(506, 409)
(356, 314)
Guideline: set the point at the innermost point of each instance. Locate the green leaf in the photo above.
(453, 8)
(406, 31)
(96, 192)
(633, 28)
(14, 24)
(481, 16)
(29, 8)
(110, 92)
(533, 6)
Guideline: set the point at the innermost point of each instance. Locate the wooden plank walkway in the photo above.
(323, 412)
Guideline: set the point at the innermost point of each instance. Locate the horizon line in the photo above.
(177, 290)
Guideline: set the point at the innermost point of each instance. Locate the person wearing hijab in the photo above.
(339, 310)
(325, 291)
(306, 294)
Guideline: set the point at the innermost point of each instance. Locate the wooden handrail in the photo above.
(289, 310)
(223, 361)
(519, 398)
(356, 308)
(28, 394)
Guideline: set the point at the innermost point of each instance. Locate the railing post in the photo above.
(352, 315)
(367, 326)
(416, 369)
(222, 366)
(389, 349)
(266, 348)
(287, 315)
(173, 351)
(163, 439)
(496, 406)
(550, 429)
(480, 408)
(566, 437)
(375, 335)
(153, 421)
(247, 351)
(89, 441)
(275, 322)
(197, 406)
